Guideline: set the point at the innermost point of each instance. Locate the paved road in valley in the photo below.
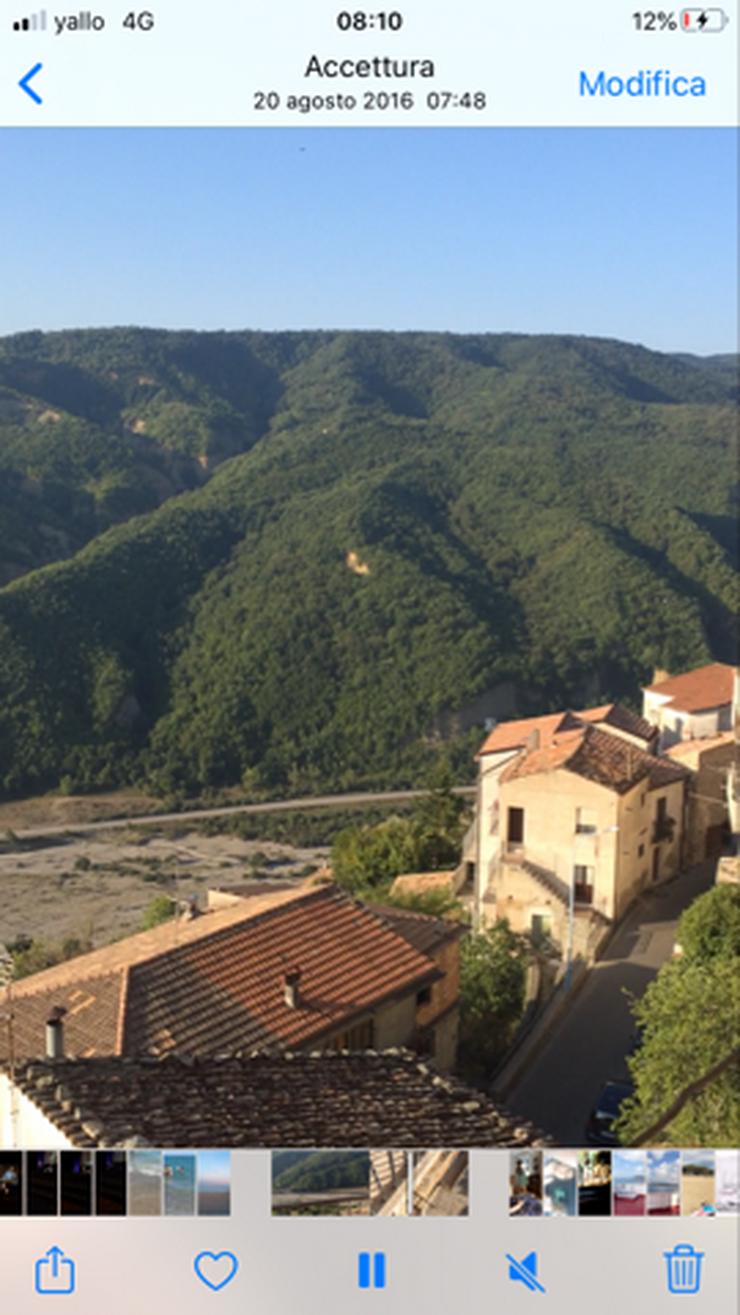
(358, 800)
(589, 1046)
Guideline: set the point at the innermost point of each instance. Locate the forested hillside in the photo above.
(292, 559)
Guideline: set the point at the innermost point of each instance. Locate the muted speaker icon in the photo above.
(33, 23)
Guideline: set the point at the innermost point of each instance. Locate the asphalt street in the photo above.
(589, 1045)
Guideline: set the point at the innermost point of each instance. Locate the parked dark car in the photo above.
(600, 1126)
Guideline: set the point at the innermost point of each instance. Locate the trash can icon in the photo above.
(684, 1268)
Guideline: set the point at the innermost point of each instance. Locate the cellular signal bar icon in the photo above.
(34, 23)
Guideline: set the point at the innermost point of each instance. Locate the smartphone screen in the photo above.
(368, 657)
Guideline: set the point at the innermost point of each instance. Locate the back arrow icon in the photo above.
(25, 81)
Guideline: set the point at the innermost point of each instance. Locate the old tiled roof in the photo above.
(223, 989)
(692, 751)
(698, 690)
(332, 1099)
(514, 734)
(420, 883)
(425, 933)
(597, 756)
(544, 730)
(621, 719)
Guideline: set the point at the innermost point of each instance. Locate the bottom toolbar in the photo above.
(335, 1231)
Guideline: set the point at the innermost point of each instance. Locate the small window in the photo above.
(583, 883)
(585, 821)
(424, 997)
(640, 851)
(515, 827)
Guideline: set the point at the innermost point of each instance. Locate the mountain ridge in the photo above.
(378, 528)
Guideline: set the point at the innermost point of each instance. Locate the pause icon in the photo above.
(34, 23)
(371, 1269)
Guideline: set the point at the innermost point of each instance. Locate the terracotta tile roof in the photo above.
(597, 756)
(223, 990)
(276, 1100)
(691, 751)
(92, 1022)
(698, 690)
(515, 734)
(420, 883)
(622, 719)
(425, 933)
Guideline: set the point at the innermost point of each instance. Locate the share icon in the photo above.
(525, 1271)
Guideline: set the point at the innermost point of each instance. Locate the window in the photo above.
(515, 828)
(583, 883)
(585, 821)
(424, 997)
(640, 851)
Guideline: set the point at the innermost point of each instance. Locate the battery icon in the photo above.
(703, 20)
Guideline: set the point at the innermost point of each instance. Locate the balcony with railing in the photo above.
(664, 828)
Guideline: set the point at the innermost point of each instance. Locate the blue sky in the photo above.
(626, 234)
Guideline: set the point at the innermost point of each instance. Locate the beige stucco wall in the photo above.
(395, 1023)
(23, 1126)
(488, 819)
(708, 808)
(619, 852)
(550, 801)
(445, 992)
(676, 724)
(446, 1032)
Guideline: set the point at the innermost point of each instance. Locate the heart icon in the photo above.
(216, 1268)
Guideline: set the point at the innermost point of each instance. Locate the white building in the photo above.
(692, 706)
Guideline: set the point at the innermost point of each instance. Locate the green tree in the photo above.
(369, 857)
(492, 983)
(158, 910)
(689, 1019)
(710, 927)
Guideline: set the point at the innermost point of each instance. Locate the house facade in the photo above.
(691, 706)
(575, 813)
(711, 763)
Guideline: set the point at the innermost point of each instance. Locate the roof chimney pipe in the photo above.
(291, 988)
(55, 1033)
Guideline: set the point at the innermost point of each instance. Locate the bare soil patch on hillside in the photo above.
(97, 889)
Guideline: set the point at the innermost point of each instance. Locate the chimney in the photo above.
(533, 740)
(55, 1033)
(291, 988)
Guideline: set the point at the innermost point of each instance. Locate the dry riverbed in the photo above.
(97, 889)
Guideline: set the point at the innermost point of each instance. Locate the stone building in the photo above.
(576, 814)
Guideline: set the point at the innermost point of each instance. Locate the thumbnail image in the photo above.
(697, 1183)
(727, 1182)
(663, 1182)
(76, 1183)
(594, 1183)
(560, 1181)
(214, 1182)
(42, 1182)
(321, 1182)
(441, 1183)
(525, 1183)
(110, 1183)
(389, 1183)
(629, 1175)
(145, 1182)
(11, 1183)
(396, 602)
(179, 1185)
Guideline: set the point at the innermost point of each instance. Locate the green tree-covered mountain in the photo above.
(292, 558)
